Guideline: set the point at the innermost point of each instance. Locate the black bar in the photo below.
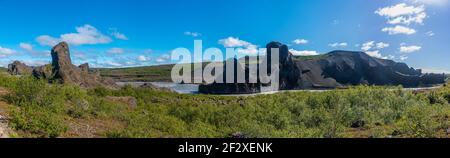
(317, 147)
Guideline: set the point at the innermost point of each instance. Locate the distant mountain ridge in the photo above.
(336, 69)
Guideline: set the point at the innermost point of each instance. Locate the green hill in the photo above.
(159, 73)
(144, 74)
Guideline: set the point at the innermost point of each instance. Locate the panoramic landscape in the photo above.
(382, 74)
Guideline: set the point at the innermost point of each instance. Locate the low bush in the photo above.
(49, 110)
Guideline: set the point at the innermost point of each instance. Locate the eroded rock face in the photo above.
(290, 74)
(355, 68)
(63, 71)
(19, 68)
(235, 87)
(43, 72)
(84, 67)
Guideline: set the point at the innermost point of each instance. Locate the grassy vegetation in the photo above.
(145, 74)
(160, 73)
(43, 110)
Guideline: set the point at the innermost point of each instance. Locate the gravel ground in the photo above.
(5, 132)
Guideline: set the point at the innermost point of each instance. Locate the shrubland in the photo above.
(40, 109)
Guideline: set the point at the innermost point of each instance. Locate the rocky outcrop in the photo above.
(19, 68)
(235, 87)
(290, 74)
(84, 67)
(63, 71)
(336, 69)
(43, 72)
(355, 68)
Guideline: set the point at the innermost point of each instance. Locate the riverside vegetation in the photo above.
(39, 109)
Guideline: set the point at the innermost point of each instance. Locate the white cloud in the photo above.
(86, 34)
(391, 57)
(431, 2)
(335, 45)
(80, 55)
(403, 14)
(113, 64)
(242, 47)
(163, 59)
(300, 41)
(26, 46)
(376, 54)
(372, 48)
(399, 10)
(409, 49)
(371, 44)
(115, 51)
(36, 62)
(250, 50)
(116, 34)
(418, 18)
(4, 52)
(142, 58)
(46, 40)
(403, 58)
(233, 42)
(368, 45)
(430, 33)
(303, 53)
(399, 30)
(193, 34)
(159, 60)
(382, 45)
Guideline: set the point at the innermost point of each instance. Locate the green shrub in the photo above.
(418, 122)
(38, 121)
(435, 98)
(43, 110)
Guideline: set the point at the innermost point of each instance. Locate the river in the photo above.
(194, 88)
(179, 88)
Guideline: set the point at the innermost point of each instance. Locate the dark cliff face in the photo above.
(290, 74)
(233, 88)
(354, 68)
(336, 69)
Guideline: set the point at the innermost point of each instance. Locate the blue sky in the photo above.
(119, 33)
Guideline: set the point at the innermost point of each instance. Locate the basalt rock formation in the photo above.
(19, 68)
(43, 72)
(63, 71)
(235, 87)
(336, 69)
(355, 68)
